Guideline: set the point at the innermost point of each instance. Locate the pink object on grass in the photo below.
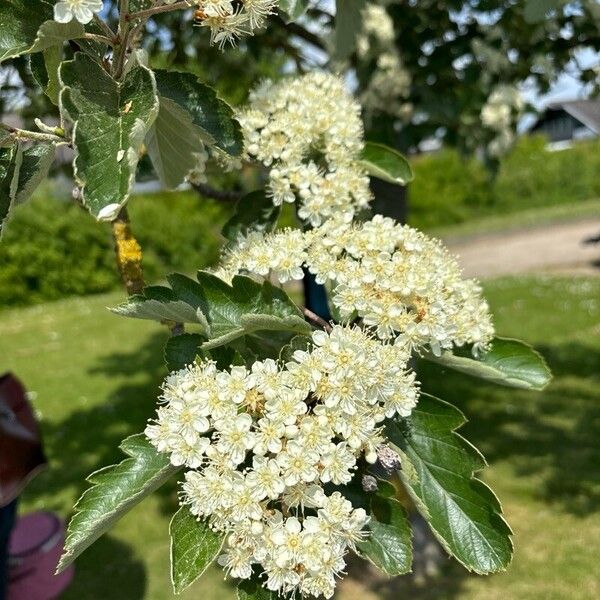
(36, 544)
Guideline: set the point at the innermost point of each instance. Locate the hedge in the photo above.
(451, 189)
(52, 248)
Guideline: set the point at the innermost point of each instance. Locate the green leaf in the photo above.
(251, 589)
(44, 68)
(110, 120)
(509, 362)
(52, 33)
(437, 470)
(254, 212)
(172, 142)
(10, 163)
(386, 163)
(194, 546)
(261, 313)
(35, 165)
(158, 303)
(348, 23)
(115, 491)
(248, 308)
(22, 169)
(389, 545)
(181, 350)
(293, 9)
(208, 112)
(27, 26)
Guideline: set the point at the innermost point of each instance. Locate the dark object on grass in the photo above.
(36, 543)
(21, 453)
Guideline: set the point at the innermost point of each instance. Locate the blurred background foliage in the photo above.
(68, 254)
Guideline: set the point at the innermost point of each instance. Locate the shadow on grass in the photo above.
(99, 574)
(551, 435)
(89, 438)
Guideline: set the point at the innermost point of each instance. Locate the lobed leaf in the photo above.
(509, 362)
(35, 165)
(158, 303)
(194, 546)
(260, 315)
(437, 469)
(386, 164)
(114, 492)
(44, 68)
(110, 121)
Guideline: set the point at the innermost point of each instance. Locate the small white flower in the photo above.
(82, 10)
(234, 437)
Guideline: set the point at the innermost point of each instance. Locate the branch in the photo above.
(210, 192)
(301, 32)
(98, 38)
(35, 136)
(123, 35)
(128, 253)
(104, 26)
(144, 14)
(317, 320)
(129, 260)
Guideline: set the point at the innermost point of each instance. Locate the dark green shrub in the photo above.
(52, 248)
(449, 189)
(532, 176)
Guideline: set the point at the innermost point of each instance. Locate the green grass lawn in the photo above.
(95, 376)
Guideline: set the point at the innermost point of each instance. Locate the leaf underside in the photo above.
(509, 362)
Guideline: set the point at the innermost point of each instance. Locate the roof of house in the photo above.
(586, 112)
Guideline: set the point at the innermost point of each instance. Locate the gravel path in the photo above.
(557, 247)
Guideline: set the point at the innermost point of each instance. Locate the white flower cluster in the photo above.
(81, 10)
(395, 278)
(389, 83)
(500, 113)
(261, 444)
(309, 132)
(229, 20)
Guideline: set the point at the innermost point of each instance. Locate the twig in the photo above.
(144, 14)
(123, 35)
(32, 135)
(210, 192)
(301, 32)
(129, 259)
(96, 37)
(317, 320)
(128, 253)
(104, 26)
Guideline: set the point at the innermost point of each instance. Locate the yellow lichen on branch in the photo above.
(128, 253)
